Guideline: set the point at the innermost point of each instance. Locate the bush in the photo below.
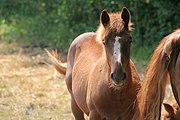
(56, 23)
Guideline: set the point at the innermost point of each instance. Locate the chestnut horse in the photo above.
(175, 68)
(101, 78)
(172, 112)
(164, 61)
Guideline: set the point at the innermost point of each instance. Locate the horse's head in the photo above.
(117, 41)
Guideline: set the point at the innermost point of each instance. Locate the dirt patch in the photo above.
(30, 87)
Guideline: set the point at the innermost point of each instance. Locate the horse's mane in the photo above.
(116, 23)
(152, 92)
(153, 87)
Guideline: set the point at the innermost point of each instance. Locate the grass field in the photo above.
(30, 87)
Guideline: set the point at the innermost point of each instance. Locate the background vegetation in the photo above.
(55, 23)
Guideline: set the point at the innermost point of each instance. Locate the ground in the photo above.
(30, 87)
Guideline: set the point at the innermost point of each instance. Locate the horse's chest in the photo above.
(113, 107)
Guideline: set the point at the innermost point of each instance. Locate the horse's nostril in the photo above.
(124, 76)
(112, 76)
(121, 76)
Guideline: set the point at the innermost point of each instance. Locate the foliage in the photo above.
(55, 23)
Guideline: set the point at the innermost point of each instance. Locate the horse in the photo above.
(171, 111)
(175, 68)
(101, 78)
(164, 62)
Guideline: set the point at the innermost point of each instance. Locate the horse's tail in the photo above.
(152, 92)
(55, 58)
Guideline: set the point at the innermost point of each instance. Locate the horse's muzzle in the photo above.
(118, 77)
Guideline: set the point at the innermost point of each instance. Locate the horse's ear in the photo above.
(125, 15)
(104, 18)
(169, 109)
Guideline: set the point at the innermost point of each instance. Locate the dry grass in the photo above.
(30, 89)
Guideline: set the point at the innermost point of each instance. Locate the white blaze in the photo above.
(117, 47)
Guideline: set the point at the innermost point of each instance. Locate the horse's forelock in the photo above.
(116, 23)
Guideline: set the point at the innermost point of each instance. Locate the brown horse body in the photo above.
(101, 78)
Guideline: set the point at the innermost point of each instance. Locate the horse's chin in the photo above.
(116, 86)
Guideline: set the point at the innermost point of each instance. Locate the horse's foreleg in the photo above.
(78, 114)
